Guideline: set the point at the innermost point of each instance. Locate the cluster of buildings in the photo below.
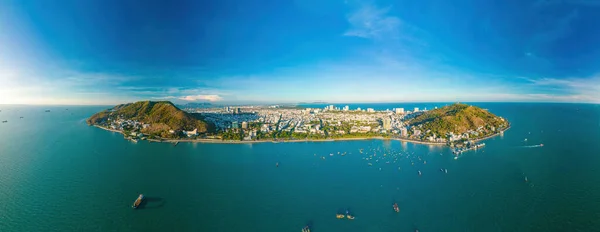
(330, 120)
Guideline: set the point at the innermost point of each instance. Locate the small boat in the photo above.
(370, 164)
(138, 201)
(396, 208)
(47, 111)
(541, 145)
(446, 170)
(525, 140)
(5, 121)
(526, 180)
(277, 164)
(306, 229)
(419, 173)
(350, 217)
(340, 216)
(21, 117)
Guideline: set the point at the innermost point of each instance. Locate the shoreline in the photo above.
(297, 141)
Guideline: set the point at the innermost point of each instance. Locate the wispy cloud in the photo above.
(371, 22)
(211, 98)
(577, 89)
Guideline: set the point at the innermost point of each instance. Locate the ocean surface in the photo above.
(58, 174)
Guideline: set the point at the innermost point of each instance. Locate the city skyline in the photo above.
(238, 52)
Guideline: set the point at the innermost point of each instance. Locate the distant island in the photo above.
(458, 125)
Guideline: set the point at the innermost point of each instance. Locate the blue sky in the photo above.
(115, 51)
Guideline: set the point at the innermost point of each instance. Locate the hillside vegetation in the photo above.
(459, 118)
(161, 116)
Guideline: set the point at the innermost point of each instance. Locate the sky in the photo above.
(103, 52)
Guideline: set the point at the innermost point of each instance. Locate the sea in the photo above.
(59, 174)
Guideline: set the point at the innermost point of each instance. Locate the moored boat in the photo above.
(339, 216)
(396, 208)
(350, 217)
(138, 201)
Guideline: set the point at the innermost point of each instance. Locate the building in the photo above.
(191, 133)
(399, 110)
(244, 125)
(387, 123)
(403, 132)
(346, 108)
(416, 109)
(370, 110)
(235, 125)
(358, 109)
(238, 110)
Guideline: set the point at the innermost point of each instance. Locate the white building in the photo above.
(346, 108)
(191, 133)
(399, 110)
(416, 109)
(370, 110)
(244, 125)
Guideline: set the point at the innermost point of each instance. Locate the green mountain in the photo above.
(459, 118)
(161, 116)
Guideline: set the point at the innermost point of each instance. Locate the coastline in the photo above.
(296, 141)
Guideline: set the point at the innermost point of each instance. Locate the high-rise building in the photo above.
(416, 109)
(346, 108)
(403, 132)
(244, 125)
(399, 110)
(238, 110)
(387, 123)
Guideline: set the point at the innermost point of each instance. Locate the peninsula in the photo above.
(454, 125)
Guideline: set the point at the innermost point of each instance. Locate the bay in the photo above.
(58, 174)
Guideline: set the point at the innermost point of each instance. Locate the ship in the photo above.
(138, 201)
(306, 229)
(396, 208)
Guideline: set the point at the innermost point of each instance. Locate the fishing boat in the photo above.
(306, 229)
(138, 201)
(340, 216)
(396, 208)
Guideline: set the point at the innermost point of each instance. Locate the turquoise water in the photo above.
(58, 174)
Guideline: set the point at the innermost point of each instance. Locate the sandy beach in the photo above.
(294, 141)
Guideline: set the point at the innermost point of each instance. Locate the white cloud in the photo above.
(373, 23)
(211, 98)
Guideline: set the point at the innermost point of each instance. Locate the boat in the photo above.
(526, 180)
(5, 121)
(47, 111)
(277, 164)
(396, 208)
(306, 229)
(419, 173)
(138, 201)
(541, 145)
(339, 216)
(350, 217)
(446, 170)
(134, 140)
